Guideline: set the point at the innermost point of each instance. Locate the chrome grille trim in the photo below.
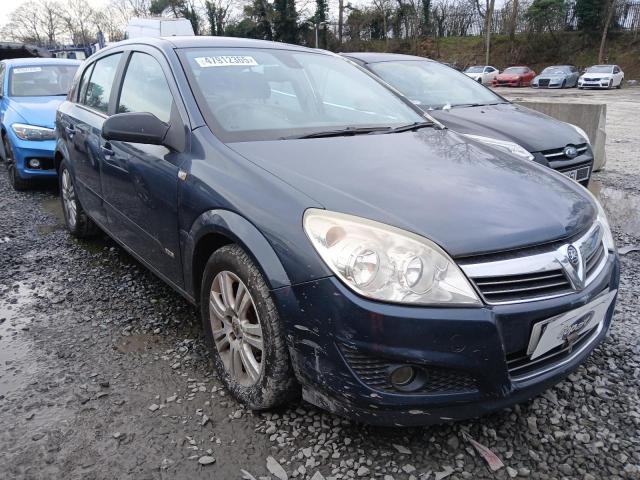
(522, 277)
(559, 152)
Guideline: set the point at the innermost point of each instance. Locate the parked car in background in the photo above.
(322, 224)
(557, 76)
(463, 105)
(30, 91)
(484, 74)
(514, 77)
(602, 76)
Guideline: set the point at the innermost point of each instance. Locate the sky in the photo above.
(8, 6)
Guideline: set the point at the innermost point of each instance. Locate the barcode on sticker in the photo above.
(226, 61)
(27, 70)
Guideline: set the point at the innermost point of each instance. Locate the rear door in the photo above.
(140, 182)
(81, 126)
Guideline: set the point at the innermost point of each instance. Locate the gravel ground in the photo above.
(103, 374)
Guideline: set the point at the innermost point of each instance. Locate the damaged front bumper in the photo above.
(344, 349)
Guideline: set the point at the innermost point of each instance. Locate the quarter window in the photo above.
(99, 87)
(84, 82)
(145, 88)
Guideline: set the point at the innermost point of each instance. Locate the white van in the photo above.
(158, 27)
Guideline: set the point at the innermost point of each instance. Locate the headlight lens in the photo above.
(581, 132)
(386, 263)
(510, 147)
(607, 237)
(31, 132)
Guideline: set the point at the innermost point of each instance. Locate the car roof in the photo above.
(375, 57)
(558, 66)
(24, 62)
(179, 42)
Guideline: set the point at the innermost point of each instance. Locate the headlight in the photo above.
(510, 147)
(581, 132)
(386, 263)
(607, 237)
(31, 132)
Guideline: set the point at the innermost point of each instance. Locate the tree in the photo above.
(589, 14)
(320, 19)
(285, 24)
(487, 29)
(77, 19)
(546, 15)
(179, 9)
(605, 29)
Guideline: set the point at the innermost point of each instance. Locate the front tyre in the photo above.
(244, 331)
(620, 84)
(77, 221)
(17, 183)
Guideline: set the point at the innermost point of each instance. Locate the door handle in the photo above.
(70, 131)
(106, 151)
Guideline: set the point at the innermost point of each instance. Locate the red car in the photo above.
(514, 77)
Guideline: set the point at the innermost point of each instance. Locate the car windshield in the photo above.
(555, 70)
(434, 86)
(41, 80)
(268, 94)
(474, 70)
(515, 70)
(600, 69)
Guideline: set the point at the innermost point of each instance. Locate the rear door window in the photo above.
(101, 83)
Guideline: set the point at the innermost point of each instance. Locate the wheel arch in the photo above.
(214, 229)
(59, 154)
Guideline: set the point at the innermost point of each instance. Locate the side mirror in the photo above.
(135, 128)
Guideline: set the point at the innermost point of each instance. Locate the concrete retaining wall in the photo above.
(591, 117)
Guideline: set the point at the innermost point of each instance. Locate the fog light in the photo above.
(34, 163)
(403, 376)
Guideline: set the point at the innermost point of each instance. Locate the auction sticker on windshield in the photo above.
(27, 70)
(226, 61)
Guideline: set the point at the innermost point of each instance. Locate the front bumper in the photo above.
(338, 342)
(549, 84)
(508, 83)
(25, 150)
(598, 84)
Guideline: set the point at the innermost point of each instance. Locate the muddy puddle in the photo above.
(14, 347)
(622, 206)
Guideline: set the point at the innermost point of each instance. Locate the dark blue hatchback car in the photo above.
(338, 243)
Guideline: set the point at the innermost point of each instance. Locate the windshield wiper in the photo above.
(410, 126)
(340, 132)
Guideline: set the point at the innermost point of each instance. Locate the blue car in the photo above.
(31, 89)
(337, 242)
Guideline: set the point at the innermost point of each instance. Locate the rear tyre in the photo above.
(78, 222)
(17, 183)
(244, 332)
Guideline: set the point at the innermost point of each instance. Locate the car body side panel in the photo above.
(219, 179)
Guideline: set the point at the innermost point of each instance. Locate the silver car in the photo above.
(557, 76)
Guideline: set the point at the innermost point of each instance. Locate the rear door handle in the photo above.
(70, 131)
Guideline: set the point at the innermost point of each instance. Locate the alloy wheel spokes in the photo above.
(236, 328)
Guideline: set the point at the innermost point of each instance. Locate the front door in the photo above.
(140, 182)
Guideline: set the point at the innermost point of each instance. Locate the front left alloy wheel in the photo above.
(244, 331)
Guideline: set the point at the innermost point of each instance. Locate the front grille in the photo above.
(374, 372)
(534, 273)
(556, 154)
(519, 363)
(510, 288)
(543, 82)
(592, 79)
(593, 260)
